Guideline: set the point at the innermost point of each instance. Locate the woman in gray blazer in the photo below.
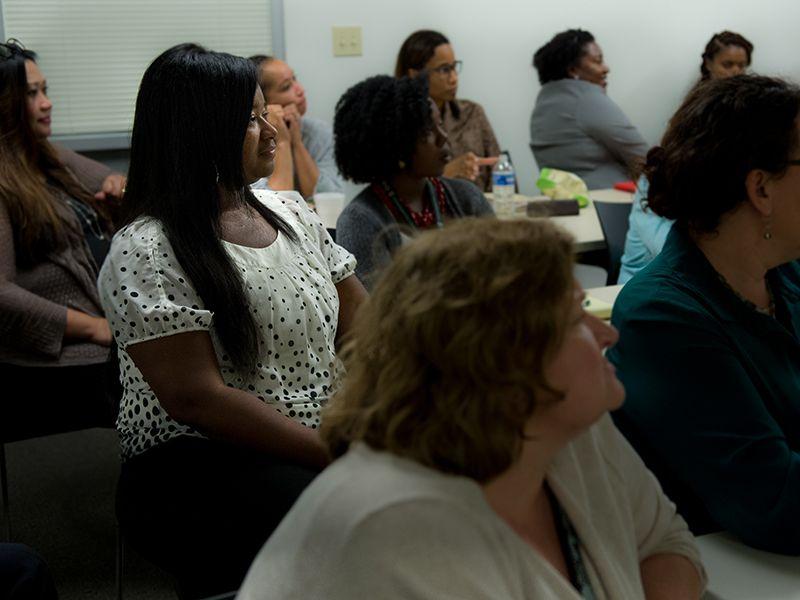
(575, 126)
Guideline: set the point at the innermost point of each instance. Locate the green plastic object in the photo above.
(563, 185)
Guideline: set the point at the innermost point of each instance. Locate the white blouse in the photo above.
(146, 294)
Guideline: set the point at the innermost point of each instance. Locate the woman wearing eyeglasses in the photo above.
(388, 135)
(472, 141)
(54, 231)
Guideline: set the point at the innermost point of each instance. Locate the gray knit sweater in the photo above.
(368, 230)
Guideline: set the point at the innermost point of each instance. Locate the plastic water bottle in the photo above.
(503, 177)
(503, 184)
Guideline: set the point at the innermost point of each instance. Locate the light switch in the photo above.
(347, 41)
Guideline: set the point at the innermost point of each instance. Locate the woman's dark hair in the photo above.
(260, 60)
(415, 53)
(720, 41)
(417, 50)
(724, 129)
(37, 226)
(377, 124)
(191, 116)
(554, 60)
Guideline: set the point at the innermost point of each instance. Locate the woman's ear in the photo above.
(412, 73)
(758, 183)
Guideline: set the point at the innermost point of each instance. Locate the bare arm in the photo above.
(351, 294)
(304, 165)
(183, 372)
(670, 577)
(282, 177)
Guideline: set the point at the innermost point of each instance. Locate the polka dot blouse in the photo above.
(293, 299)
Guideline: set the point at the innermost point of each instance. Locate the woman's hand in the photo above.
(277, 118)
(113, 187)
(292, 118)
(465, 166)
(81, 326)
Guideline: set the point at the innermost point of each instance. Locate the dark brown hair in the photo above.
(554, 60)
(259, 60)
(417, 50)
(723, 130)
(446, 362)
(28, 166)
(720, 41)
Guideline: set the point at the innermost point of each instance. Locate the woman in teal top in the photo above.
(709, 347)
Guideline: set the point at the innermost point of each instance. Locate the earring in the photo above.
(401, 164)
(767, 229)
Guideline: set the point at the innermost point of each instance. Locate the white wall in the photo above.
(653, 49)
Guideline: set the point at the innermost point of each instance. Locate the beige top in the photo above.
(374, 525)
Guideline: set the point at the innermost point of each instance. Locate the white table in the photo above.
(738, 572)
(585, 226)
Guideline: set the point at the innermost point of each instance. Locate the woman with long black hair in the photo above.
(226, 307)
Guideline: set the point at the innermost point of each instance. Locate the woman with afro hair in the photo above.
(388, 135)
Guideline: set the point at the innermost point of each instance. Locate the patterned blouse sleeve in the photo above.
(144, 290)
(341, 263)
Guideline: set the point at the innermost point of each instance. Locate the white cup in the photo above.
(329, 206)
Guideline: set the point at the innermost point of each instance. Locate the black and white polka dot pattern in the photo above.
(293, 298)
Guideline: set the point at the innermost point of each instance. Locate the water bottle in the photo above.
(503, 184)
(503, 178)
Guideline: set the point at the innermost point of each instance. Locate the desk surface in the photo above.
(738, 572)
(585, 226)
(607, 293)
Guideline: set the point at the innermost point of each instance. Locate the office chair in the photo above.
(613, 218)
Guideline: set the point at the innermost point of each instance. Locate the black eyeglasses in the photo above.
(446, 69)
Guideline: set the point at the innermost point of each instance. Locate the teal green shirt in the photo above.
(713, 394)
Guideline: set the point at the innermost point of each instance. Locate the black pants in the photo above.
(23, 575)
(57, 399)
(202, 509)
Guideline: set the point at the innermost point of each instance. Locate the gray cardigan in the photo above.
(365, 226)
(576, 127)
(34, 299)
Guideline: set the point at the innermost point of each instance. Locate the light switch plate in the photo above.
(347, 41)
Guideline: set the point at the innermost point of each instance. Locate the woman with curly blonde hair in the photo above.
(476, 458)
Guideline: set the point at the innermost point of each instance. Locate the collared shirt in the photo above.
(713, 394)
(471, 132)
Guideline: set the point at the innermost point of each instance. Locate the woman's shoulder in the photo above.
(288, 204)
(370, 481)
(469, 108)
(468, 196)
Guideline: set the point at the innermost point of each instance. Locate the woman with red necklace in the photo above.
(388, 135)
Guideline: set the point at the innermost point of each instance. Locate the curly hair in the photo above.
(377, 124)
(446, 361)
(554, 60)
(417, 50)
(720, 41)
(723, 130)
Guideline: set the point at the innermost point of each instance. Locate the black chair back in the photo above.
(613, 218)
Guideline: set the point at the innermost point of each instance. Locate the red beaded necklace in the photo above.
(432, 210)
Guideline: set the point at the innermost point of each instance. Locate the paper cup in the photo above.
(329, 206)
